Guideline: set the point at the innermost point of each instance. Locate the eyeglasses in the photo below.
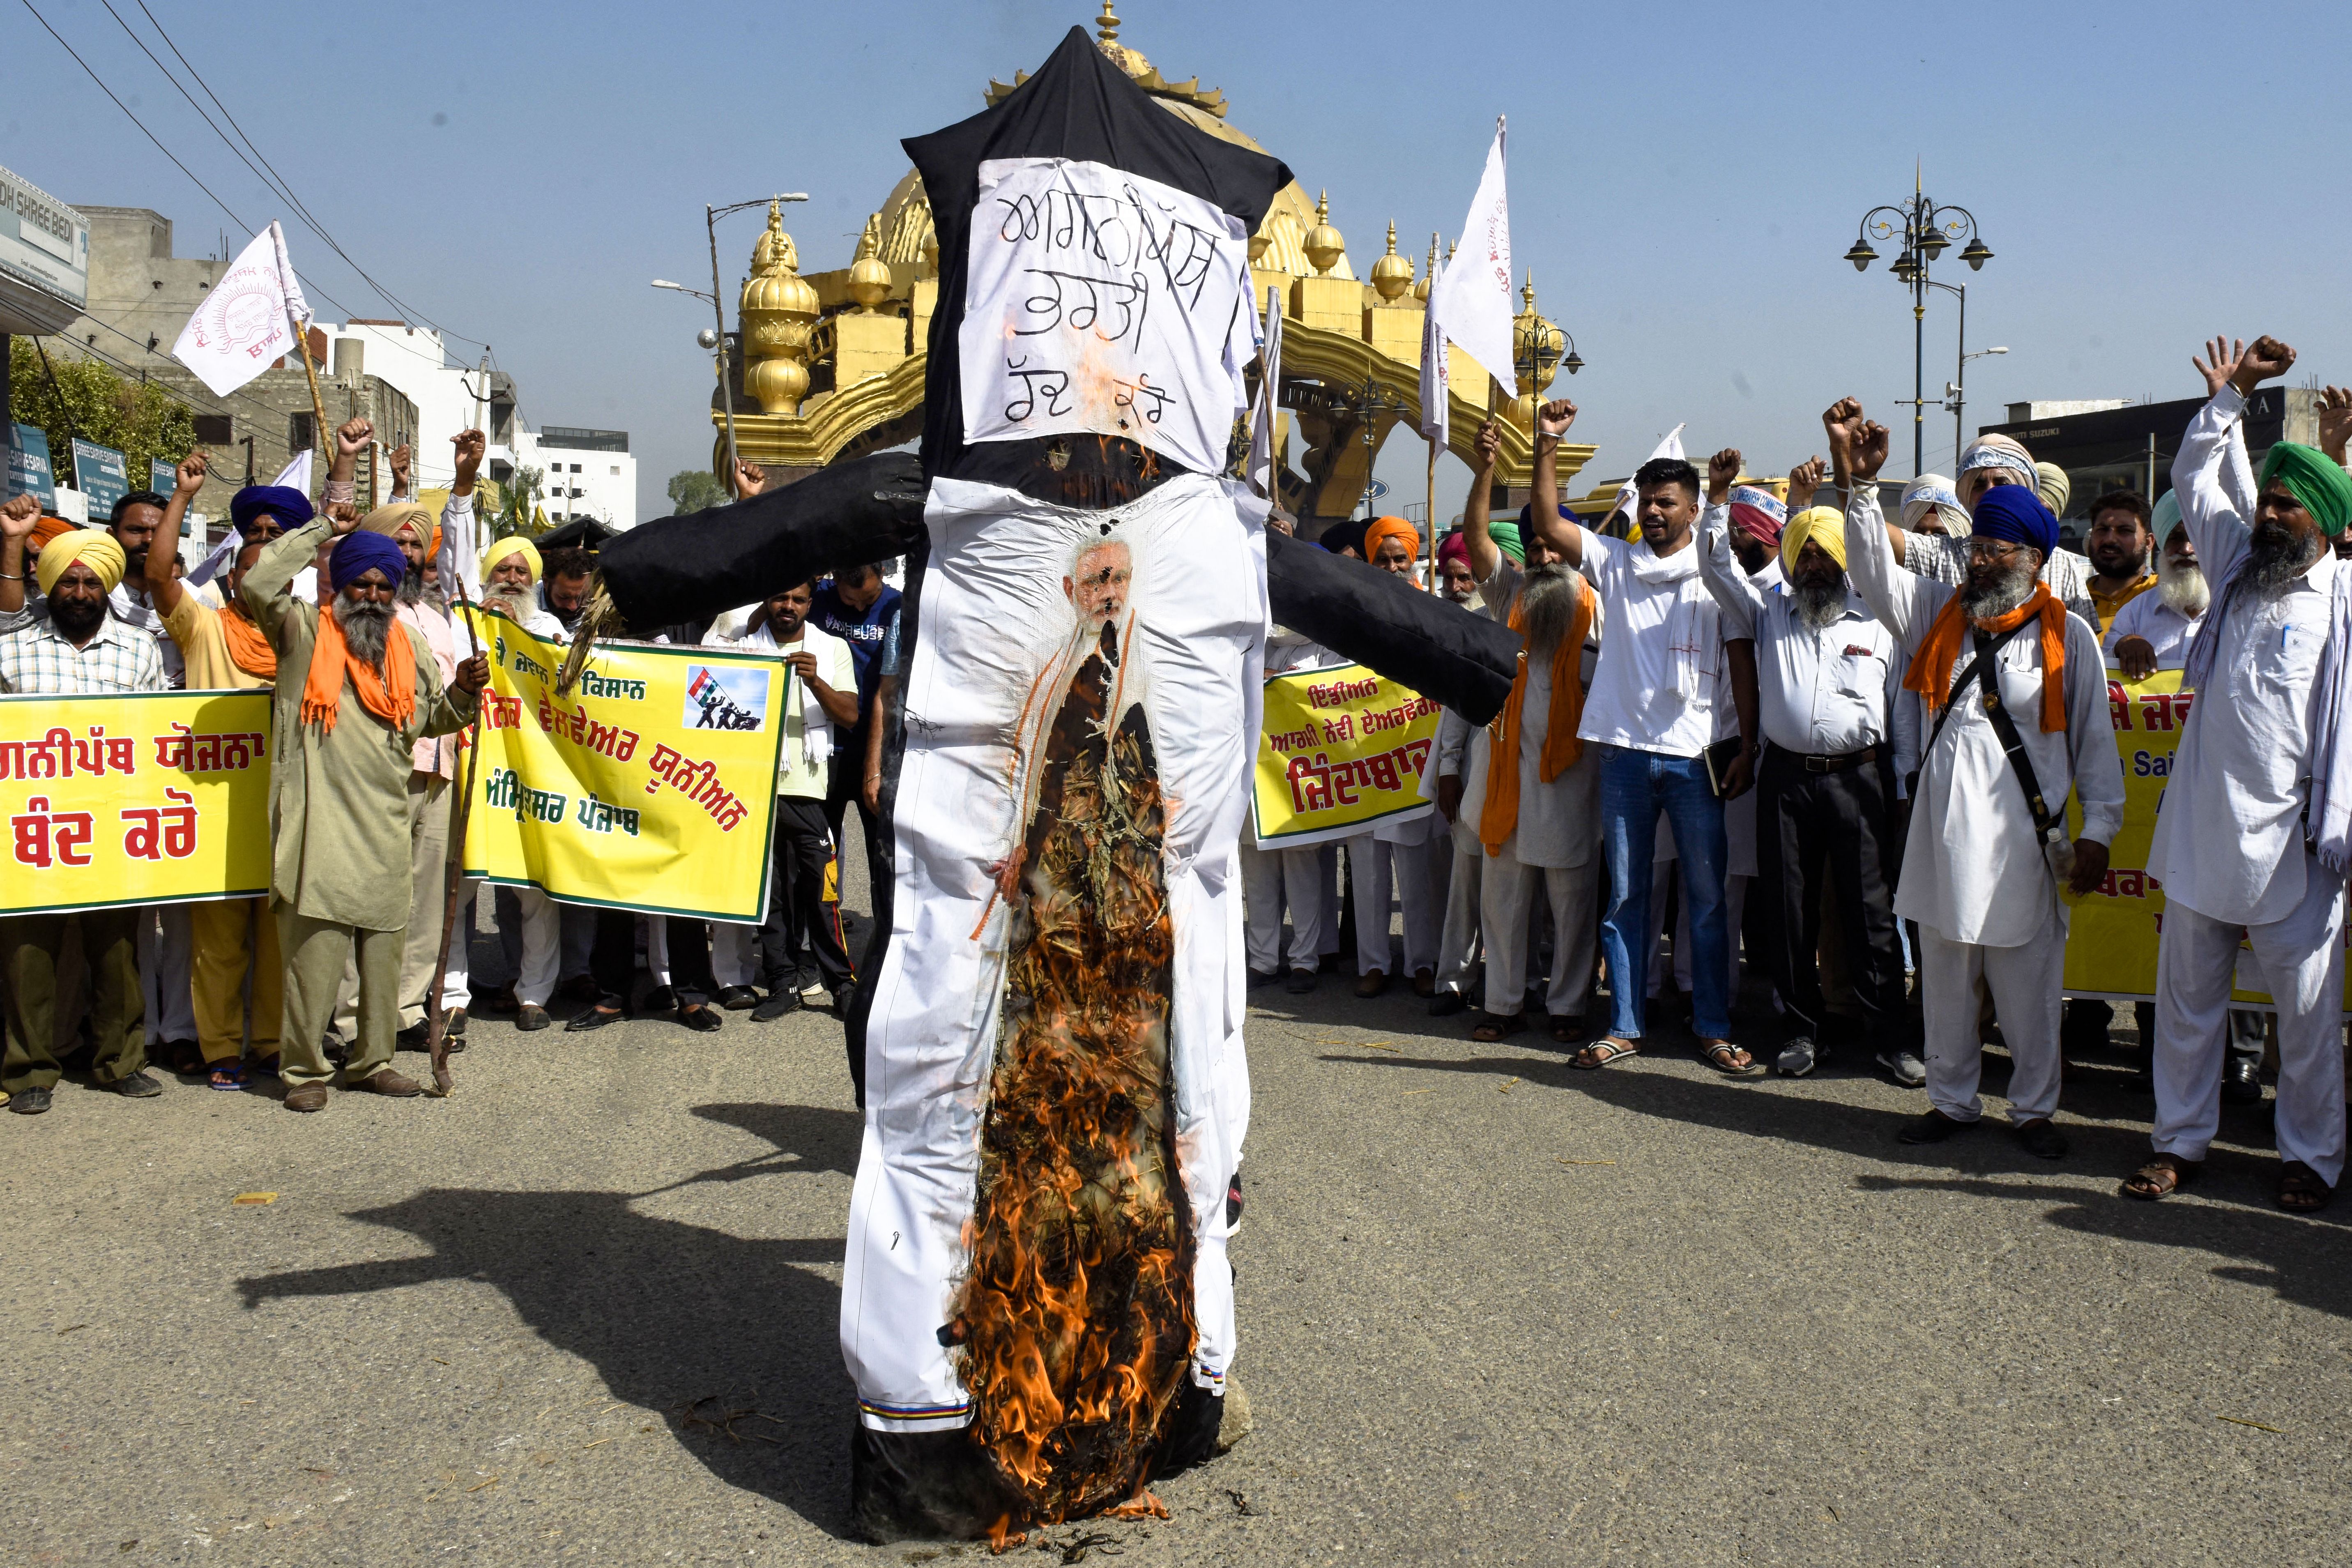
(1991, 549)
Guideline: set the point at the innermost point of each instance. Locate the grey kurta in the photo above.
(338, 807)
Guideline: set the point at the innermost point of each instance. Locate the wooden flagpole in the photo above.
(1431, 584)
(318, 408)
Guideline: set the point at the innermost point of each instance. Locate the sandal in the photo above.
(1723, 1057)
(1493, 1027)
(267, 1067)
(2300, 1190)
(228, 1077)
(1601, 1052)
(2161, 1178)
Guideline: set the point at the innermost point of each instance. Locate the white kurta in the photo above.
(1973, 869)
(1560, 822)
(2165, 629)
(2229, 838)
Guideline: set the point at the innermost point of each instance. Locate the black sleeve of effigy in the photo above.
(1451, 656)
(693, 567)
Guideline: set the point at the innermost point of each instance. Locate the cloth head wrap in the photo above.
(1824, 525)
(2316, 480)
(512, 544)
(49, 528)
(360, 552)
(1452, 547)
(2054, 487)
(1506, 539)
(2015, 513)
(93, 547)
(393, 516)
(1338, 538)
(289, 505)
(1759, 512)
(1382, 528)
(1934, 491)
(2000, 452)
(2165, 516)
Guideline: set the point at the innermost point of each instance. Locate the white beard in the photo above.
(2184, 589)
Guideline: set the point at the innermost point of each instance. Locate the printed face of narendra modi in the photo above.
(1098, 585)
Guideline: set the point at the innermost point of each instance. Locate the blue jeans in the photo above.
(1635, 786)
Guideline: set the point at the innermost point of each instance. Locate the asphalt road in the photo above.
(1493, 1311)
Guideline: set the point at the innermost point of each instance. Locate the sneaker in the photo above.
(137, 1086)
(1797, 1058)
(779, 1003)
(1906, 1067)
(813, 993)
(1298, 982)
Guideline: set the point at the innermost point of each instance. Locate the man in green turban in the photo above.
(2255, 833)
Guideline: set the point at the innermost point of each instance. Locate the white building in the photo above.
(588, 473)
(449, 398)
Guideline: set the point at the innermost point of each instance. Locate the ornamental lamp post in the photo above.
(1926, 230)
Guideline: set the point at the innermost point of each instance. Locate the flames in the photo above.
(1076, 1318)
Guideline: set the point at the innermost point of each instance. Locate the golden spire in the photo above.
(1107, 25)
(1428, 273)
(869, 276)
(1392, 274)
(776, 310)
(1324, 244)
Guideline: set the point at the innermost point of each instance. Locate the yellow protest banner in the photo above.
(2111, 936)
(651, 786)
(149, 797)
(1340, 750)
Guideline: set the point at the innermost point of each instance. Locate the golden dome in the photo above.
(1324, 244)
(1428, 273)
(1536, 344)
(869, 276)
(1145, 74)
(1392, 274)
(776, 310)
(775, 284)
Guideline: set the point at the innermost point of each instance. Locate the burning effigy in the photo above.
(1037, 1308)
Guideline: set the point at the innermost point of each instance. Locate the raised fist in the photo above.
(2264, 359)
(189, 477)
(1489, 445)
(1554, 418)
(352, 436)
(1721, 469)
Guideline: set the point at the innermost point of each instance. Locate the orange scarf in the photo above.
(247, 648)
(1500, 817)
(391, 696)
(1931, 674)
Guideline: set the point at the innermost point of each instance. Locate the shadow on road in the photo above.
(668, 1313)
(2304, 1261)
(2303, 1250)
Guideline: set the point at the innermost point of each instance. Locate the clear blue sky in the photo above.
(1684, 177)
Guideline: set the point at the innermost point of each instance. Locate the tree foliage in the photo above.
(695, 490)
(81, 397)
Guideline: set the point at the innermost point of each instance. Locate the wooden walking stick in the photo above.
(436, 1024)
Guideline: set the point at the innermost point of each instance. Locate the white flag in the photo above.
(1262, 417)
(1471, 299)
(241, 329)
(294, 475)
(1629, 500)
(1436, 378)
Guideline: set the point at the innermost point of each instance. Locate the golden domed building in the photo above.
(832, 363)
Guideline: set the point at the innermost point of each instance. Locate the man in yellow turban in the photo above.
(1826, 683)
(72, 645)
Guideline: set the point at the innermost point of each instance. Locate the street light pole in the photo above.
(710, 216)
(1925, 229)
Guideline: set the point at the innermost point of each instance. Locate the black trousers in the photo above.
(843, 789)
(1841, 825)
(613, 960)
(797, 917)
